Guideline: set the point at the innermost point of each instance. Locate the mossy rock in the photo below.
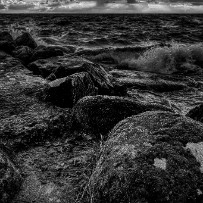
(140, 163)
(99, 114)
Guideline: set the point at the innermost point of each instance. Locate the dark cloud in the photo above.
(2, 6)
(20, 6)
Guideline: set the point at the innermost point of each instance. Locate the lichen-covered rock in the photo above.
(26, 40)
(65, 92)
(166, 126)
(7, 43)
(138, 165)
(10, 179)
(99, 114)
(23, 53)
(196, 113)
(43, 52)
(24, 119)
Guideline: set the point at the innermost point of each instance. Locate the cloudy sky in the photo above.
(102, 6)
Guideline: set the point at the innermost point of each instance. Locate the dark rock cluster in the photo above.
(148, 150)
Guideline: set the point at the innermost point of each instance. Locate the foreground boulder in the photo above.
(7, 43)
(10, 179)
(196, 113)
(65, 92)
(144, 161)
(24, 119)
(99, 114)
(23, 53)
(26, 40)
(43, 52)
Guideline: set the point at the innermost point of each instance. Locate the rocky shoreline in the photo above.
(75, 129)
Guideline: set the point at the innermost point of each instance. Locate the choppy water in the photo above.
(109, 30)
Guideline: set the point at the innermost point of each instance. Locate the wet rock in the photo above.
(60, 67)
(138, 163)
(26, 40)
(65, 92)
(56, 67)
(43, 52)
(196, 113)
(101, 78)
(24, 119)
(7, 43)
(10, 179)
(23, 53)
(42, 67)
(99, 114)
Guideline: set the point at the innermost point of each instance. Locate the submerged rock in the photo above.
(147, 81)
(140, 164)
(65, 92)
(23, 53)
(10, 179)
(99, 114)
(7, 43)
(26, 40)
(24, 119)
(196, 113)
(43, 52)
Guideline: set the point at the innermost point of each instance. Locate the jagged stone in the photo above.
(23, 53)
(26, 40)
(65, 92)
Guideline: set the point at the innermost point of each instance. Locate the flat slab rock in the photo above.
(152, 156)
(23, 118)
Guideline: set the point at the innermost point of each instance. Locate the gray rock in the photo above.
(99, 114)
(43, 52)
(10, 179)
(26, 40)
(23, 53)
(65, 92)
(7, 43)
(140, 164)
(24, 119)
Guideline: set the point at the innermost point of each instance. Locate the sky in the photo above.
(101, 6)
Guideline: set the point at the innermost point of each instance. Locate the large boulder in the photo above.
(7, 43)
(65, 92)
(26, 40)
(43, 52)
(10, 178)
(144, 160)
(196, 113)
(25, 120)
(23, 53)
(99, 114)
